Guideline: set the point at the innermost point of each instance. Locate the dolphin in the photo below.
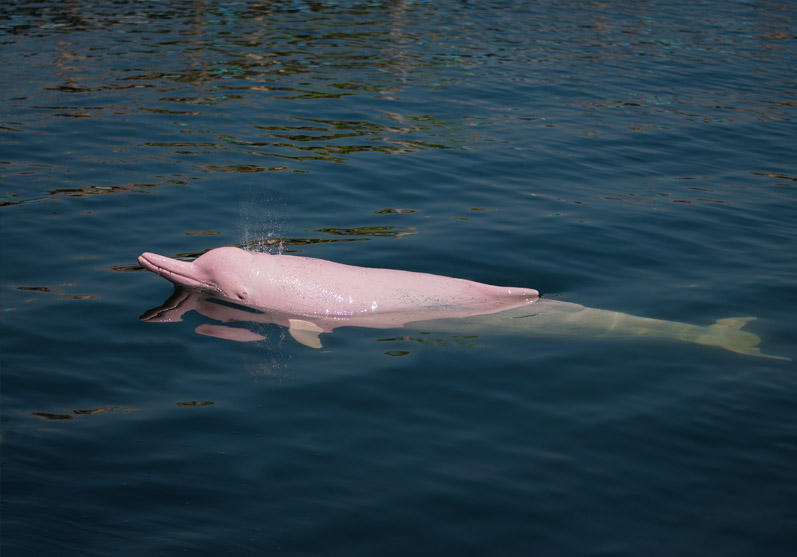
(312, 296)
(332, 294)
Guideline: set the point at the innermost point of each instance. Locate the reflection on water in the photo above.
(283, 245)
(60, 290)
(376, 231)
(279, 55)
(12, 199)
(266, 81)
(428, 338)
(75, 414)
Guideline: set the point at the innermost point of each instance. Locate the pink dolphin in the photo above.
(313, 296)
(320, 295)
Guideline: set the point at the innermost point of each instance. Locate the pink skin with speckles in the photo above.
(326, 291)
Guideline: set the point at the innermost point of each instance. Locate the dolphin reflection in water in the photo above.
(311, 296)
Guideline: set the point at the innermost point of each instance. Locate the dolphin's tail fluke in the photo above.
(727, 334)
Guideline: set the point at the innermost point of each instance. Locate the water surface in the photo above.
(633, 156)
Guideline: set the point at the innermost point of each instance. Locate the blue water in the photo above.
(636, 156)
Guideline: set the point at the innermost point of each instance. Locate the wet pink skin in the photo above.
(328, 291)
(312, 296)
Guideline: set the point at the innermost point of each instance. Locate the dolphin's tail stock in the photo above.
(727, 334)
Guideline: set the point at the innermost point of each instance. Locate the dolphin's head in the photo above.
(225, 272)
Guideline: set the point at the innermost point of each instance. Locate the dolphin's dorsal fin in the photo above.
(305, 332)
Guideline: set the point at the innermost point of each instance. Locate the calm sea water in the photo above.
(632, 156)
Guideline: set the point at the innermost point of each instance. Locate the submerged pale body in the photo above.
(313, 296)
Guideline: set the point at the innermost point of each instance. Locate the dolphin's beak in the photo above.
(179, 272)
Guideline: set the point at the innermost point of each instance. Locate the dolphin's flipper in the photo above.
(727, 334)
(305, 332)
